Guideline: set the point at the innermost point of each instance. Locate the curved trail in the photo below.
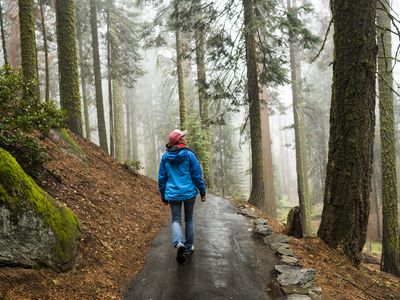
(228, 262)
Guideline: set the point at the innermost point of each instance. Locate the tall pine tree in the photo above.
(68, 64)
(348, 182)
(390, 241)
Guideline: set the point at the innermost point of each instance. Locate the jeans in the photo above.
(177, 235)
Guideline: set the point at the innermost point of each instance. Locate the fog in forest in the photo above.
(150, 96)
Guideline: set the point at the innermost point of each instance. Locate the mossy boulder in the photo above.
(36, 230)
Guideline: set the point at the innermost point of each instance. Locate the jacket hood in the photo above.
(176, 154)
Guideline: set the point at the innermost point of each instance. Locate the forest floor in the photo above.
(337, 277)
(121, 213)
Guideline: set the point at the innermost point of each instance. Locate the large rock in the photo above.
(295, 276)
(36, 230)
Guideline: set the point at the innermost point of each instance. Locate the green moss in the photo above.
(73, 145)
(19, 192)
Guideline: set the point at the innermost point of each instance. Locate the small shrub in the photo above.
(25, 121)
(133, 165)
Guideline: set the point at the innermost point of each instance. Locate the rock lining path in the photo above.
(228, 262)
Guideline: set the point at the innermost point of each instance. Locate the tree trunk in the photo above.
(179, 65)
(203, 101)
(84, 74)
(348, 182)
(118, 121)
(3, 37)
(14, 40)
(390, 242)
(110, 94)
(299, 125)
(46, 53)
(135, 146)
(221, 160)
(28, 46)
(270, 197)
(128, 126)
(101, 123)
(257, 195)
(67, 64)
(375, 197)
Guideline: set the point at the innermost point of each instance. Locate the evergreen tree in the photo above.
(67, 64)
(122, 60)
(299, 125)
(391, 240)
(28, 45)
(46, 51)
(179, 66)
(199, 35)
(3, 37)
(348, 181)
(101, 124)
(119, 122)
(257, 195)
(81, 28)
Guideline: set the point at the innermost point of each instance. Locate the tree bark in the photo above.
(67, 64)
(179, 65)
(14, 40)
(28, 46)
(257, 195)
(390, 239)
(128, 126)
(299, 131)
(269, 181)
(135, 146)
(46, 53)
(203, 101)
(348, 182)
(101, 123)
(110, 94)
(3, 37)
(84, 74)
(118, 121)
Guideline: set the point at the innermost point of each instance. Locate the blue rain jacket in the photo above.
(180, 175)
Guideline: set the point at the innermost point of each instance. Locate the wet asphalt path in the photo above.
(228, 262)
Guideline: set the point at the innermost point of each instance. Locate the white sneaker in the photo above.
(190, 251)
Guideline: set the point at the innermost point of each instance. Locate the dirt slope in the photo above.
(120, 214)
(337, 277)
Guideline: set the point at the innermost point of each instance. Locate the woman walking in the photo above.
(179, 180)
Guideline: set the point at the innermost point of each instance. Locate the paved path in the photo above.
(228, 262)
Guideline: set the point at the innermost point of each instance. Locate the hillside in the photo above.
(120, 214)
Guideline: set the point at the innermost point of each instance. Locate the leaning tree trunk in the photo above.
(203, 102)
(3, 37)
(101, 123)
(67, 64)
(28, 46)
(299, 131)
(46, 53)
(390, 239)
(179, 65)
(348, 182)
(257, 195)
